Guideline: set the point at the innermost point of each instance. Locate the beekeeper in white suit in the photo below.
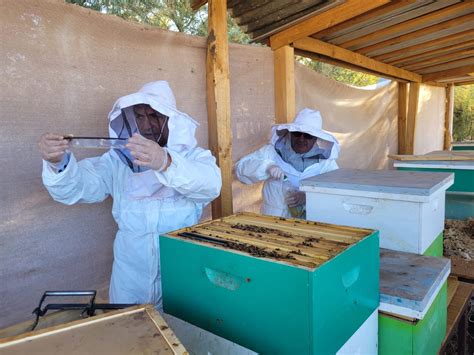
(297, 151)
(159, 182)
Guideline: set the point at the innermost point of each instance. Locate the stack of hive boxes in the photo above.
(408, 210)
(275, 285)
(460, 196)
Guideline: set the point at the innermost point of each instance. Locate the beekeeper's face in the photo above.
(302, 142)
(152, 124)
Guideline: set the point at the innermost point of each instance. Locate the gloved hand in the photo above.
(295, 198)
(52, 147)
(148, 153)
(275, 172)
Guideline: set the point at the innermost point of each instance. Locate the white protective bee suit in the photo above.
(146, 203)
(254, 167)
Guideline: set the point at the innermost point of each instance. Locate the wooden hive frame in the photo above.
(173, 345)
(298, 242)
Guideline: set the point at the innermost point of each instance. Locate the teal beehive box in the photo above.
(460, 196)
(273, 285)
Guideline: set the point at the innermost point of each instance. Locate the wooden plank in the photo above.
(453, 284)
(218, 102)
(402, 117)
(430, 54)
(316, 46)
(459, 37)
(463, 269)
(361, 20)
(460, 63)
(411, 117)
(285, 97)
(448, 74)
(457, 155)
(407, 26)
(439, 59)
(334, 16)
(458, 305)
(116, 332)
(448, 117)
(464, 83)
(416, 34)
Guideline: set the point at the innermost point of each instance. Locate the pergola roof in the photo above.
(411, 40)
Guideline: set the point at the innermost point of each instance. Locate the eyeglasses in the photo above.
(299, 134)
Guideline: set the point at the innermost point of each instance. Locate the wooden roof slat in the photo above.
(412, 59)
(459, 37)
(447, 74)
(242, 7)
(447, 65)
(285, 18)
(358, 22)
(440, 59)
(377, 23)
(275, 11)
(329, 18)
(408, 26)
(320, 47)
(468, 20)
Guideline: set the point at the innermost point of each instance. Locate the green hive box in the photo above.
(413, 303)
(297, 287)
(460, 196)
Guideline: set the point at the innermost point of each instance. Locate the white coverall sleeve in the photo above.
(253, 167)
(195, 176)
(87, 181)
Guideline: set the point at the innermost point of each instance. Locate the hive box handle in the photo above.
(223, 279)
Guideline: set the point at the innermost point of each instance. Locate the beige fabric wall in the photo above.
(429, 131)
(61, 69)
(363, 120)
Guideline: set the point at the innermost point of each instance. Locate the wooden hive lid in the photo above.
(293, 241)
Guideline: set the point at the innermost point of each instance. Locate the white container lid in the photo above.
(389, 184)
(435, 164)
(409, 283)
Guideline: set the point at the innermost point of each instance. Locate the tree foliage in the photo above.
(174, 15)
(463, 120)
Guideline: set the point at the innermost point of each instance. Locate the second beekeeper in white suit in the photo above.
(297, 151)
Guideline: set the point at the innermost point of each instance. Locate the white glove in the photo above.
(52, 147)
(148, 153)
(295, 198)
(275, 172)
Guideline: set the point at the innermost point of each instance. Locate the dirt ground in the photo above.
(459, 238)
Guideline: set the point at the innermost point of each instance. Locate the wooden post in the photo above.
(218, 102)
(402, 117)
(411, 117)
(448, 117)
(284, 64)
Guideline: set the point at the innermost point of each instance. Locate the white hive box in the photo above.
(406, 207)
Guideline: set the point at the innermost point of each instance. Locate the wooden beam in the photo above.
(333, 16)
(316, 46)
(440, 59)
(332, 61)
(448, 117)
(447, 74)
(218, 102)
(285, 97)
(459, 37)
(448, 65)
(402, 117)
(412, 59)
(469, 18)
(407, 26)
(464, 83)
(411, 117)
(196, 4)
